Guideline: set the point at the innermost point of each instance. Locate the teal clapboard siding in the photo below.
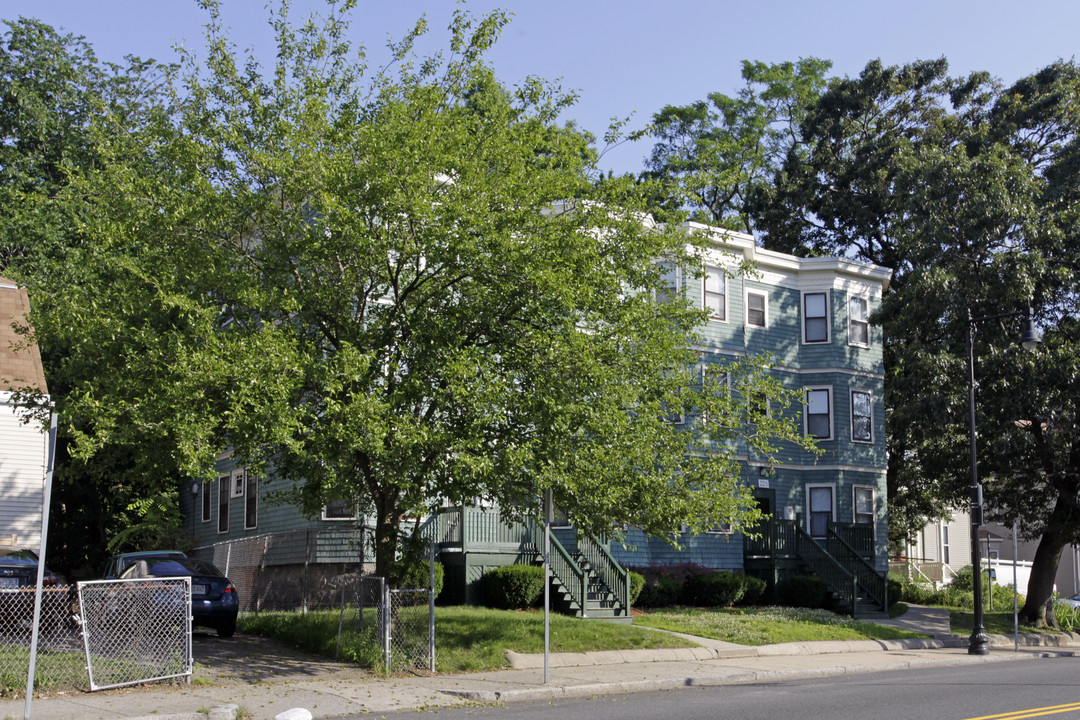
(837, 365)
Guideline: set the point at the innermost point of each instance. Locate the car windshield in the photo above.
(17, 557)
(170, 567)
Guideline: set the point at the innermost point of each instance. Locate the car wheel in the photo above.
(226, 629)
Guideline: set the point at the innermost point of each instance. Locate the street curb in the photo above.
(222, 712)
(531, 661)
(748, 677)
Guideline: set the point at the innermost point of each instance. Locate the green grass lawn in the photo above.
(769, 625)
(472, 639)
(996, 623)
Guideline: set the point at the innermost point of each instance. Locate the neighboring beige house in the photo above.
(944, 546)
(23, 445)
(940, 549)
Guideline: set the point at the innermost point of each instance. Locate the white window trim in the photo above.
(854, 506)
(746, 307)
(252, 497)
(832, 412)
(338, 519)
(828, 316)
(704, 287)
(813, 486)
(237, 484)
(866, 300)
(851, 407)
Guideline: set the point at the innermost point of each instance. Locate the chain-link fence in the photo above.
(136, 630)
(399, 622)
(297, 570)
(60, 663)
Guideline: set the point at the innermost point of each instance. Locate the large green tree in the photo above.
(966, 189)
(53, 90)
(712, 155)
(392, 289)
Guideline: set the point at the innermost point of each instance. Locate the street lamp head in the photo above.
(1030, 337)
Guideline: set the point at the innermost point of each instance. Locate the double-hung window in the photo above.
(818, 413)
(251, 501)
(861, 417)
(206, 501)
(864, 505)
(757, 309)
(338, 510)
(858, 321)
(715, 292)
(821, 504)
(815, 317)
(223, 503)
(670, 282)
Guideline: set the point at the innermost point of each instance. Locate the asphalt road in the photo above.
(1044, 687)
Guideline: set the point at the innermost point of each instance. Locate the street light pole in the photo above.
(978, 643)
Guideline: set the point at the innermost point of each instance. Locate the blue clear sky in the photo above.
(629, 56)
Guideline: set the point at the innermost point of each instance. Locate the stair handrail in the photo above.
(876, 584)
(615, 577)
(563, 567)
(837, 578)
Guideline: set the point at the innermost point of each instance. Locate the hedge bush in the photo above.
(637, 584)
(753, 589)
(808, 591)
(514, 587)
(718, 589)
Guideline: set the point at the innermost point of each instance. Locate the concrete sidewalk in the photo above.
(337, 689)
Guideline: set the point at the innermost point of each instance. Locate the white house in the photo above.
(23, 444)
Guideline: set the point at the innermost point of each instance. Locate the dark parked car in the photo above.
(18, 578)
(214, 602)
(19, 567)
(119, 563)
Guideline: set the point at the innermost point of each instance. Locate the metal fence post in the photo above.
(307, 563)
(386, 611)
(431, 610)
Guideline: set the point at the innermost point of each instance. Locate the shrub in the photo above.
(664, 583)
(637, 584)
(753, 589)
(1068, 617)
(514, 587)
(807, 591)
(894, 590)
(718, 589)
(417, 575)
(660, 592)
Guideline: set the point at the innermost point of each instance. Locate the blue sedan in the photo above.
(214, 602)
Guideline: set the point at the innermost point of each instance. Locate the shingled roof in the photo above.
(20, 366)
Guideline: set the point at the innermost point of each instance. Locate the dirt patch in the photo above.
(252, 659)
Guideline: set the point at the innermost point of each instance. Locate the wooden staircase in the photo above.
(586, 582)
(784, 548)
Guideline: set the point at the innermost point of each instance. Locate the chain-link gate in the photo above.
(61, 662)
(400, 622)
(136, 631)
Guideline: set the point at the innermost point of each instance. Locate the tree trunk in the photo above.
(387, 529)
(1038, 608)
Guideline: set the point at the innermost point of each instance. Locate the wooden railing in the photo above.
(615, 577)
(563, 567)
(875, 584)
(773, 538)
(842, 582)
(476, 528)
(857, 536)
